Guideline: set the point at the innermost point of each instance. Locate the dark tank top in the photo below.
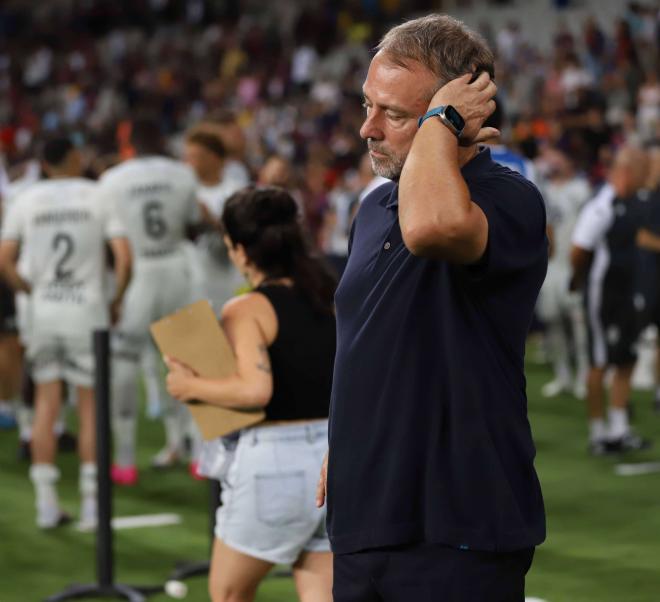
(302, 356)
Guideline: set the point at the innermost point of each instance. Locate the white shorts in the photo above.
(59, 358)
(23, 322)
(159, 287)
(269, 483)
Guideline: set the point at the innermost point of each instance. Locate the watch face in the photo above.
(454, 117)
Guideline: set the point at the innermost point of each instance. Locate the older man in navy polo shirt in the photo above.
(431, 487)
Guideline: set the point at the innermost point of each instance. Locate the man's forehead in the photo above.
(394, 85)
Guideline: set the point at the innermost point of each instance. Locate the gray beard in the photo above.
(389, 168)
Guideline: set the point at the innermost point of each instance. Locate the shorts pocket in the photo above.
(281, 497)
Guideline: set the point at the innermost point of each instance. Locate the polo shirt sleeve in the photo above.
(593, 223)
(516, 218)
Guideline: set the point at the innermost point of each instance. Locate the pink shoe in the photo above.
(124, 475)
(193, 469)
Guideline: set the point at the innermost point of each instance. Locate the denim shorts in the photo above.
(269, 476)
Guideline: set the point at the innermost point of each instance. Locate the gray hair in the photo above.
(443, 44)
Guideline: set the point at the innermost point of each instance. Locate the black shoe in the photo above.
(23, 452)
(627, 443)
(67, 442)
(656, 405)
(597, 448)
(63, 519)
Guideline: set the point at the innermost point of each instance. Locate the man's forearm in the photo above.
(436, 213)
(648, 240)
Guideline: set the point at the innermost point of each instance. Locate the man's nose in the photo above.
(371, 128)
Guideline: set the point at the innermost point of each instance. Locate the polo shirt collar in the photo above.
(478, 164)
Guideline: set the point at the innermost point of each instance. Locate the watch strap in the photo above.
(440, 113)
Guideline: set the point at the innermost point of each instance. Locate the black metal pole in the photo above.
(105, 586)
(104, 543)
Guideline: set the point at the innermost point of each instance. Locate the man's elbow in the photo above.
(454, 243)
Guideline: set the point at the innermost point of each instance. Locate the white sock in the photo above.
(597, 430)
(87, 486)
(123, 408)
(175, 425)
(618, 423)
(44, 478)
(87, 479)
(124, 431)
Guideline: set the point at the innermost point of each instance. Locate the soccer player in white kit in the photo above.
(62, 225)
(565, 194)
(206, 154)
(155, 198)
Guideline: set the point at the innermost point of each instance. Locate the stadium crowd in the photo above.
(246, 94)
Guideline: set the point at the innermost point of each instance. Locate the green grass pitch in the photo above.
(603, 530)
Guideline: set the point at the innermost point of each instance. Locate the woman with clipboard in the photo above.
(283, 336)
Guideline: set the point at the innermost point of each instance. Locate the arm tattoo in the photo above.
(264, 363)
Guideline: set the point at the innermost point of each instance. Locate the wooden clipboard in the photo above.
(194, 336)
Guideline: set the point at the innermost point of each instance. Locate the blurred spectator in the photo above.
(286, 80)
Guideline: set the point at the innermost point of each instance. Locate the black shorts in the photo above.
(7, 309)
(429, 573)
(613, 326)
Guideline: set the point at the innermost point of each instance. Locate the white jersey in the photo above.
(564, 201)
(590, 233)
(216, 277)
(155, 199)
(215, 197)
(62, 227)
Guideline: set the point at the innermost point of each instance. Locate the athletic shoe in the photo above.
(598, 448)
(23, 451)
(193, 469)
(627, 443)
(124, 475)
(67, 442)
(166, 458)
(580, 390)
(52, 522)
(554, 388)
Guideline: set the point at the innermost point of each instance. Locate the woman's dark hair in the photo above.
(265, 221)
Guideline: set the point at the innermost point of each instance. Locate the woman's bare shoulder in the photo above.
(252, 304)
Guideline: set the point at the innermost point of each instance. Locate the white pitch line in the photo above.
(630, 470)
(146, 520)
(534, 600)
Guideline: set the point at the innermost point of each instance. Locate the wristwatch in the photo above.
(449, 116)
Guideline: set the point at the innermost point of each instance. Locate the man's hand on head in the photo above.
(474, 101)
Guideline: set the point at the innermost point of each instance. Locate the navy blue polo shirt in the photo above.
(429, 436)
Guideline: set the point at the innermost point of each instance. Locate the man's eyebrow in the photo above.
(387, 107)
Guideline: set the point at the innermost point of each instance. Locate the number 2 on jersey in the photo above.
(154, 222)
(63, 241)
